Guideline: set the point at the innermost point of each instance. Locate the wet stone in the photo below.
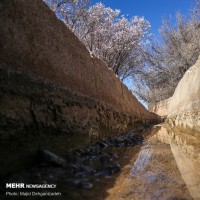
(50, 158)
(102, 144)
(80, 174)
(89, 164)
(86, 185)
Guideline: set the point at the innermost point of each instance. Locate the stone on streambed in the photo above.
(82, 171)
(102, 144)
(128, 142)
(86, 185)
(108, 171)
(50, 158)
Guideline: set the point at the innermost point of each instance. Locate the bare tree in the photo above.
(113, 38)
(168, 60)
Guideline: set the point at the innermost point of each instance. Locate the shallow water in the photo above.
(154, 175)
(148, 171)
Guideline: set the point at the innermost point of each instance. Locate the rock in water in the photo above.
(102, 144)
(86, 185)
(51, 158)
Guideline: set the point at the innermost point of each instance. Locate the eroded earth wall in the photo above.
(160, 108)
(184, 107)
(33, 39)
(53, 93)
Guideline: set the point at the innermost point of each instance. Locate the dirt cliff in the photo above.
(160, 108)
(53, 93)
(184, 106)
(34, 40)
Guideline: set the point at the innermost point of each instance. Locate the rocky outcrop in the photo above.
(160, 108)
(184, 107)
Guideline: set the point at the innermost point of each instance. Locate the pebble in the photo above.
(102, 144)
(96, 160)
(50, 158)
(80, 174)
(86, 185)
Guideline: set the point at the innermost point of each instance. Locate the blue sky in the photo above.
(152, 10)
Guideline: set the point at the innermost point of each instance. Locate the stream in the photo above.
(133, 165)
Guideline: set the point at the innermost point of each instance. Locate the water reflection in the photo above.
(165, 166)
(155, 175)
(186, 150)
(142, 160)
(151, 174)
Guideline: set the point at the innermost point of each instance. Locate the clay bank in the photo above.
(66, 119)
(52, 90)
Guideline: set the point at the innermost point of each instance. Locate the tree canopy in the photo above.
(116, 39)
(126, 46)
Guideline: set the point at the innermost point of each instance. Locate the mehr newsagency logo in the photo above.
(31, 186)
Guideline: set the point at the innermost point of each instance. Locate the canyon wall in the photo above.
(34, 40)
(183, 136)
(54, 95)
(160, 108)
(184, 111)
(184, 107)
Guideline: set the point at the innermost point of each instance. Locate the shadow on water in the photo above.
(84, 173)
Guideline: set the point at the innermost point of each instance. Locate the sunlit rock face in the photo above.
(160, 108)
(184, 107)
(183, 110)
(184, 137)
